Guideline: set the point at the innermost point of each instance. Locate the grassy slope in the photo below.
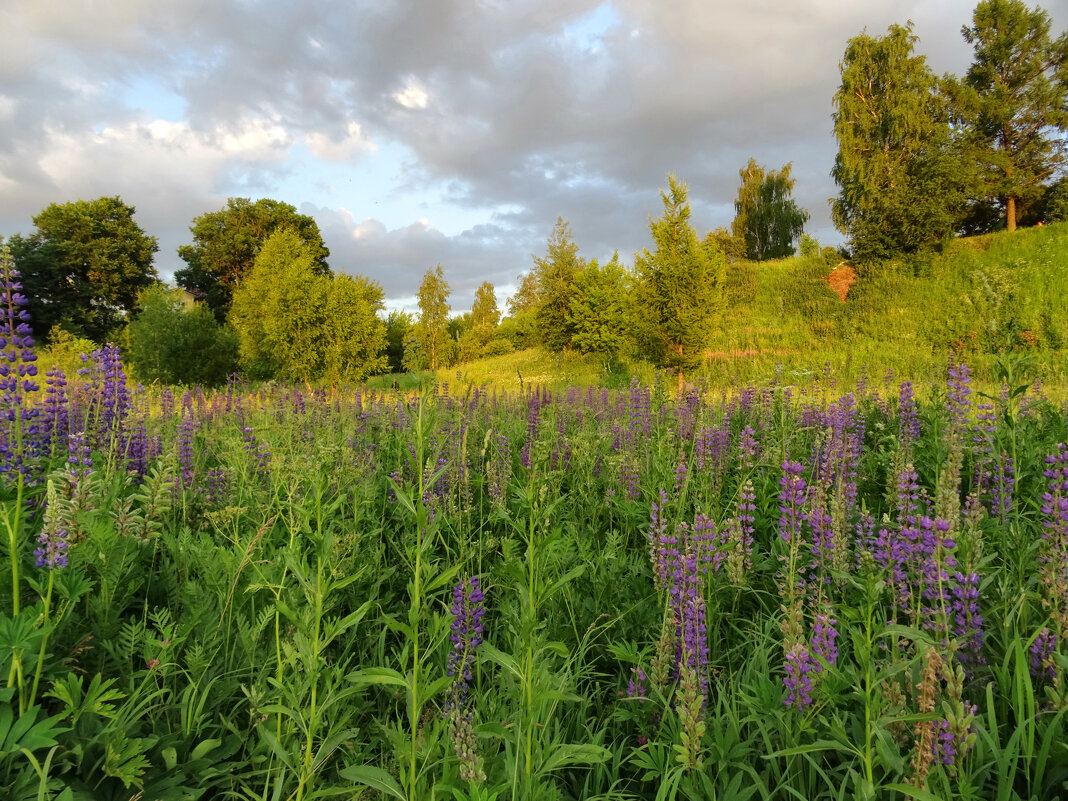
(900, 316)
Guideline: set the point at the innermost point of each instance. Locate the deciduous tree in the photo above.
(84, 266)
(299, 324)
(680, 284)
(902, 181)
(431, 330)
(226, 243)
(767, 219)
(174, 340)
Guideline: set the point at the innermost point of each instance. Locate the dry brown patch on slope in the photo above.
(840, 279)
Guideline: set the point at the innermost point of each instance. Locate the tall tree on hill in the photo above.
(767, 219)
(679, 285)
(432, 328)
(902, 180)
(226, 243)
(84, 266)
(555, 275)
(1014, 101)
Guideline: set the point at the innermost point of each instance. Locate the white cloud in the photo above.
(413, 96)
(341, 150)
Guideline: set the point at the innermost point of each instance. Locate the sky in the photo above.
(450, 132)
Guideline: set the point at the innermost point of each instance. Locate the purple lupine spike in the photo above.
(958, 392)
(907, 416)
(797, 682)
(967, 622)
(824, 640)
(466, 629)
(748, 447)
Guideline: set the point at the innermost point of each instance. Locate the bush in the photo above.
(498, 347)
(175, 341)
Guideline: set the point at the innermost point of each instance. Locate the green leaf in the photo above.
(375, 778)
(575, 754)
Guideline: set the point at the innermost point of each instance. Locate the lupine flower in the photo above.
(791, 500)
(467, 612)
(186, 429)
(52, 552)
(798, 685)
(958, 391)
(907, 416)
(526, 455)
(1041, 652)
(748, 447)
(215, 485)
(17, 371)
(967, 622)
(636, 685)
(824, 640)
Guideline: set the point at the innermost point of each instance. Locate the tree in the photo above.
(555, 275)
(767, 220)
(299, 324)
(1014, 101)
(431, 330)
(601, 308)
(679, 287)
(902, 180)
(485, 316)
(399, 325)
(226, 243)
(83, 267)
(174, 340)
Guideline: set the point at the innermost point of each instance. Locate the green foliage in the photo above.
(399, 326)
(1013, 102)
(432, 329)
(554, 277)
(174, 340)
(1056, 202)
(766, 218)
(732, 247)
(602, 308)
(902, 180)
(65, 351)
(226, 243)
(296, 322)
(679, 285)
(83, 266)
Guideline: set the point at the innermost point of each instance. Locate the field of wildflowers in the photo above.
(776, 591)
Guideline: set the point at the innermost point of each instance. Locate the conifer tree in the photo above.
(1014, 101)
(680, 284)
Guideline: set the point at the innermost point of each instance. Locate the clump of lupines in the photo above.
(467, 610)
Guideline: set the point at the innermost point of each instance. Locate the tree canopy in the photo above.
(431, 330)
(84, 266)
(679, 287)
(900, 175)
(296, 323)
(1013, 102)
(767, 219)
(226, 243)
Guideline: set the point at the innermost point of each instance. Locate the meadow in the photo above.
(823, 591)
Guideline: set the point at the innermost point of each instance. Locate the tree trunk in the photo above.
(679, 346)
(1010, 213)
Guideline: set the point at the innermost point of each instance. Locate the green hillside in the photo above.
(984, 298)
